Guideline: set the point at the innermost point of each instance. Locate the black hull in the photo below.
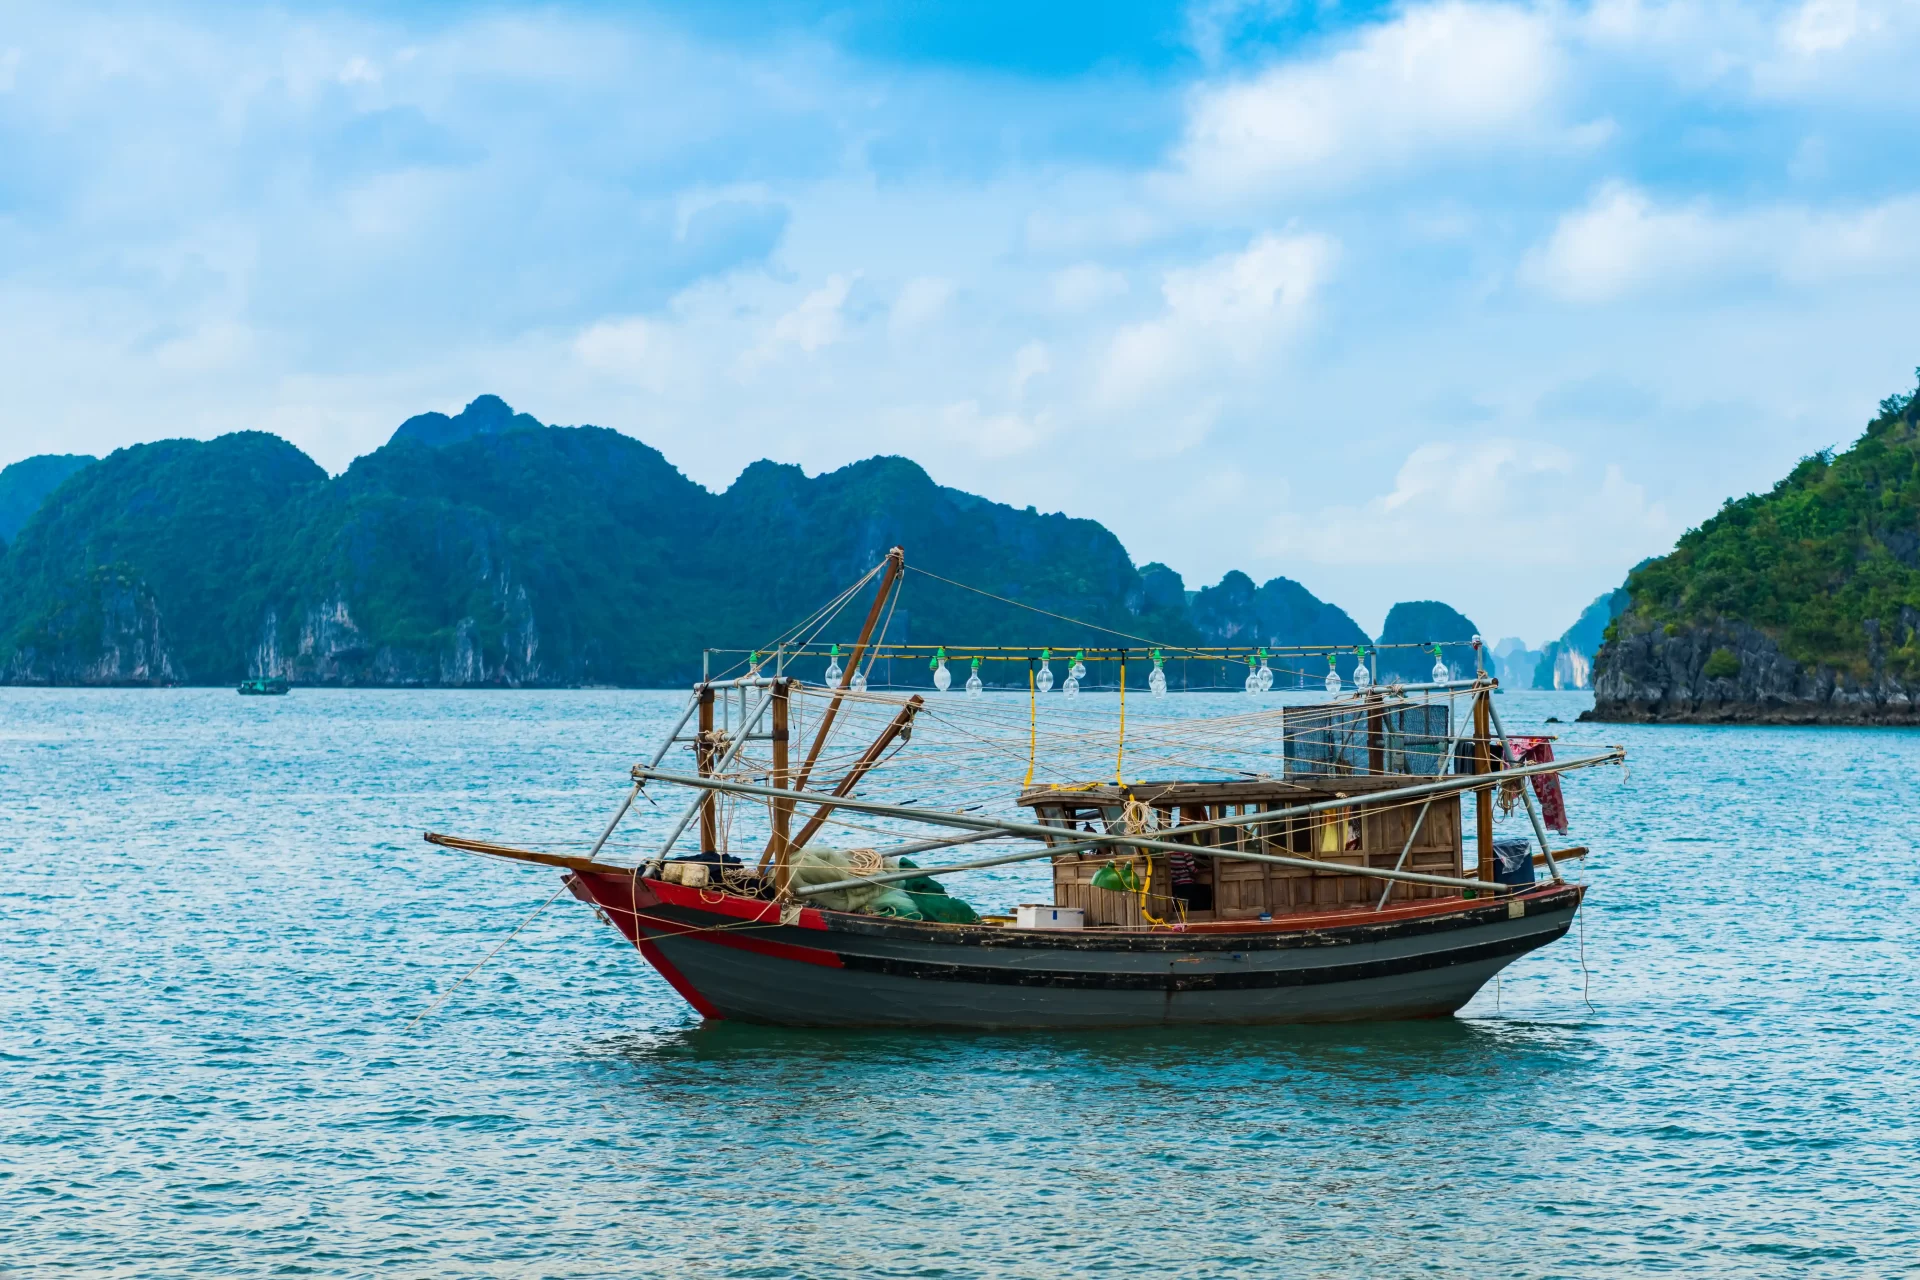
(753, 961)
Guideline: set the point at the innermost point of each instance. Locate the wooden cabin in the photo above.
(1217, 888)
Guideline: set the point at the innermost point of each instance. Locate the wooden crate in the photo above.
(1072, 887)
(1352, 835)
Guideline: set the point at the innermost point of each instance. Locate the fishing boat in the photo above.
(1288, 861)
(263, 687)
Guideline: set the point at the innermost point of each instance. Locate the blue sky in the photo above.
(1476, 301)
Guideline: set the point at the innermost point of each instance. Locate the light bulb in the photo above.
(1071, 688)
(1079, 669)
(834, 672)
(942, 678)
(973, 680)
(1044, 681)
(1333, 676)
(1253, 678)
(859, 684)
(1361, 676)
(1266, 676)
(1158, 682)
(1440, 673)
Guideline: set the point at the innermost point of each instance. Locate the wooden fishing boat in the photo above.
(1307, 865)
(263, 686)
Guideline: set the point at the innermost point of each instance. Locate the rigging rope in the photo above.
(1031, 608)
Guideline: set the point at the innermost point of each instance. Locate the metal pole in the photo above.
(666, 743)
(922, 846)
(618, 814)
(1453, 739)
(1526, 796)
(634, 794)
(938, 818)
(861, 768)
(891, 877)
(710, 784)
(896, 560)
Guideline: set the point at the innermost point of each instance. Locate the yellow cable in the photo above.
(1033, 723)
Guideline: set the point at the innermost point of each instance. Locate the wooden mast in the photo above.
(868, 759)
(896, 558)
(1483, 796)
(782, 809)
(1376, 733)
(703, 762)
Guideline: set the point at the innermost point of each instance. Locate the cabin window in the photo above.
(1336, 831)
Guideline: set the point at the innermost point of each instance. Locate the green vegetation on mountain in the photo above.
(484, 548)
(1818, 564)
(1280, 612)
(26, 484)
(1424, 622)
(190, 524)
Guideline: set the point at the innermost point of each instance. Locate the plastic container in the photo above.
(1513, 861)
(1048, 916)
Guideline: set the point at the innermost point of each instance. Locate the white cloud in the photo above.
(1623, 243)
(988, 434)
(1437, 79)
(1086, 284)
(1823, 26)
(632, 349)
(818, 321)
(206, 348)
(1029, 362)
(1230, 308)
(921, 301)
(1033, 290)
(1102, 225)
(1552, 504)
(1836, 50)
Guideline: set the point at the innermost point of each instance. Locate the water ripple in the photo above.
(219, 922)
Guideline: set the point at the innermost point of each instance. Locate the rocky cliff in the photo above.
(1736, 673)
(107, 632)
(1797, 606)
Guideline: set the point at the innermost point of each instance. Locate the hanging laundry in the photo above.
(1553, 804)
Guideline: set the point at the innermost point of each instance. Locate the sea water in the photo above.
(220, 925)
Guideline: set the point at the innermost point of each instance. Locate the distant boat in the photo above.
(261, 687)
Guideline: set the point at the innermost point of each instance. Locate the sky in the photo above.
(1482, 302)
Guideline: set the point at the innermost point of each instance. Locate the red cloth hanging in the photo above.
(1553, 805)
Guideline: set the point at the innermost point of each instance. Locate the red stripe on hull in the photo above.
(719, 902)
(626, 902)
(729, 936)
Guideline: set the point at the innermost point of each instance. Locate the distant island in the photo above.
(1796, 606)
(486, 548)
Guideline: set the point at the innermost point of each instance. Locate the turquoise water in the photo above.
(219, 919)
